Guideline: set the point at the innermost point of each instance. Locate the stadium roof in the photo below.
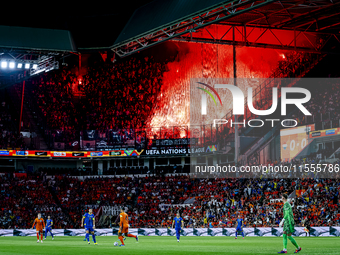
(160, 14)
(36, 39)
(132, 26)
(185, 20)
(91, 25)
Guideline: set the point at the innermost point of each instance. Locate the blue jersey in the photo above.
(178, 222)
(239, 223)
(49, 223)
(88, 220)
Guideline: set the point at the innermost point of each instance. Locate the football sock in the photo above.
(236, 234)
(293, 241)
(87, 236)
(121, 240)
(285, 242)
(178, 234)
(94, 238)
(130, 235)
(38, 236)
(51, 234)
(41, 236)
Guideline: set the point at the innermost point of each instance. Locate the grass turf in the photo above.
(166, 245)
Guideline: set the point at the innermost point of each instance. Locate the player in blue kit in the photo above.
(90, 224)
(49, 224)
(239, 227)
(179, 224)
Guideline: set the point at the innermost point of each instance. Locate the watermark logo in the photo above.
(239, 99)
(204, 97)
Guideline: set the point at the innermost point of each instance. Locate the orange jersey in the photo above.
(40, 224)
(124, 220)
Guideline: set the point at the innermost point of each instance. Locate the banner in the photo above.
(145, 231)
(320, 231)
(174, 142)
(176, 151)
(103, 232)
(71, 154)
(167, 206)
(300, 231)
(263, 231)
(74, 232)
(20, 175)
(277, 231)
(215, 231)
(272, 232)
(6, 232)
(324, 133)
(111, 210)
(57, 232)
(23, 232)
(164, 232)
(334, 231)
(88, 145)
(276, 200)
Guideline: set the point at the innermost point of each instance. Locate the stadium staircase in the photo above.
(29, 115)
(261, 137)
(6, 97)
(57, 201)
(190, 200)
(104, 221)
(335, 154)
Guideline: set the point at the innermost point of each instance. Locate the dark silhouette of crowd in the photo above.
(10, 138)
(324, 105)
(114, 97)
(121, 95)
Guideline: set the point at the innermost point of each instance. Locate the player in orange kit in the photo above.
(39, 224)
(124, 227)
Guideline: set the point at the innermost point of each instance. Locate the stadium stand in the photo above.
(218, 200)
(21, 200)
(10, 137)
(114, 98)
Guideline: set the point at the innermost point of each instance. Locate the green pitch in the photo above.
(166, 245)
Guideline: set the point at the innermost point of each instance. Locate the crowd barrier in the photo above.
(299, 231)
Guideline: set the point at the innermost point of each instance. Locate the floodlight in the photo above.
(4, 64)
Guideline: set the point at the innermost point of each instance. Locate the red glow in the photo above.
(196, 60)
(80, 79)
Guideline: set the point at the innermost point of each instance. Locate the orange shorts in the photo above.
(125, 229)
(39, 229)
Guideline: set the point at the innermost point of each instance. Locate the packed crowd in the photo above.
(22, 198)
(52, 93)
(115, 96)
(10, 138)
(324, 105)
(49, 97)
(154, 200)
(292, 64)
(122, 95)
